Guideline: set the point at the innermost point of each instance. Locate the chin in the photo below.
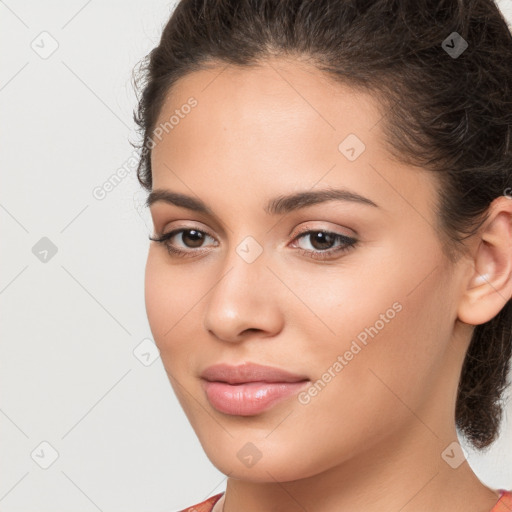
(281, 467)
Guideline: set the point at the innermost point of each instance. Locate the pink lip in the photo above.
(250, 398)
(249, 388)
(249, 372)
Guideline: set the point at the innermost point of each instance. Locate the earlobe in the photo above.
(489, 286)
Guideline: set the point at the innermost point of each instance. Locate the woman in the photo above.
(330, 276)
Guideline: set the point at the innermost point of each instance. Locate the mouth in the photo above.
(249, 388)
(249, 398)
(249, 372)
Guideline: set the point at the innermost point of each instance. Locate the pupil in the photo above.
(327, 240)
(196, 237)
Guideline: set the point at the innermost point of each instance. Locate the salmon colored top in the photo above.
(504, 503)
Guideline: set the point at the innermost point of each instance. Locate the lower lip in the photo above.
(249, 398)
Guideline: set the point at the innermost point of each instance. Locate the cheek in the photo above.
(371, 393)
(156, 295)
(167, 299)
(391, 326)
(173, 297)
(170, 293)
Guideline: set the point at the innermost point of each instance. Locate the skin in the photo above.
(372, 439)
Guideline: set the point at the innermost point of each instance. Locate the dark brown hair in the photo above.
(446, 108)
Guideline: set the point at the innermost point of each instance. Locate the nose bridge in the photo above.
(243, 268)
(240, 299)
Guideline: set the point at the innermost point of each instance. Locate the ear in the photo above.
(489, 283)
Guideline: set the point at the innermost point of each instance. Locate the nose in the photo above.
(244, 300)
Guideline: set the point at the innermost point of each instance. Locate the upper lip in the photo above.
(249, 372)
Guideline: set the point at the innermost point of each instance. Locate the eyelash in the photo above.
(317, 255)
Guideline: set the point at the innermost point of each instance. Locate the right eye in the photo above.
(194, 236)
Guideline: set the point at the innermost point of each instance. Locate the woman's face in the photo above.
(370, 326)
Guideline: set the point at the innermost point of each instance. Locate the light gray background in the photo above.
(70, 325)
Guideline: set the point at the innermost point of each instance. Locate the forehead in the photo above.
(282, 123)
(296, 97)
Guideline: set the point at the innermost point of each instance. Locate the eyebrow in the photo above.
(276, 206)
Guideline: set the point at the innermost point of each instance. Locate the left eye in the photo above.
(326, 238)
(323, 239)
(322, 242)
